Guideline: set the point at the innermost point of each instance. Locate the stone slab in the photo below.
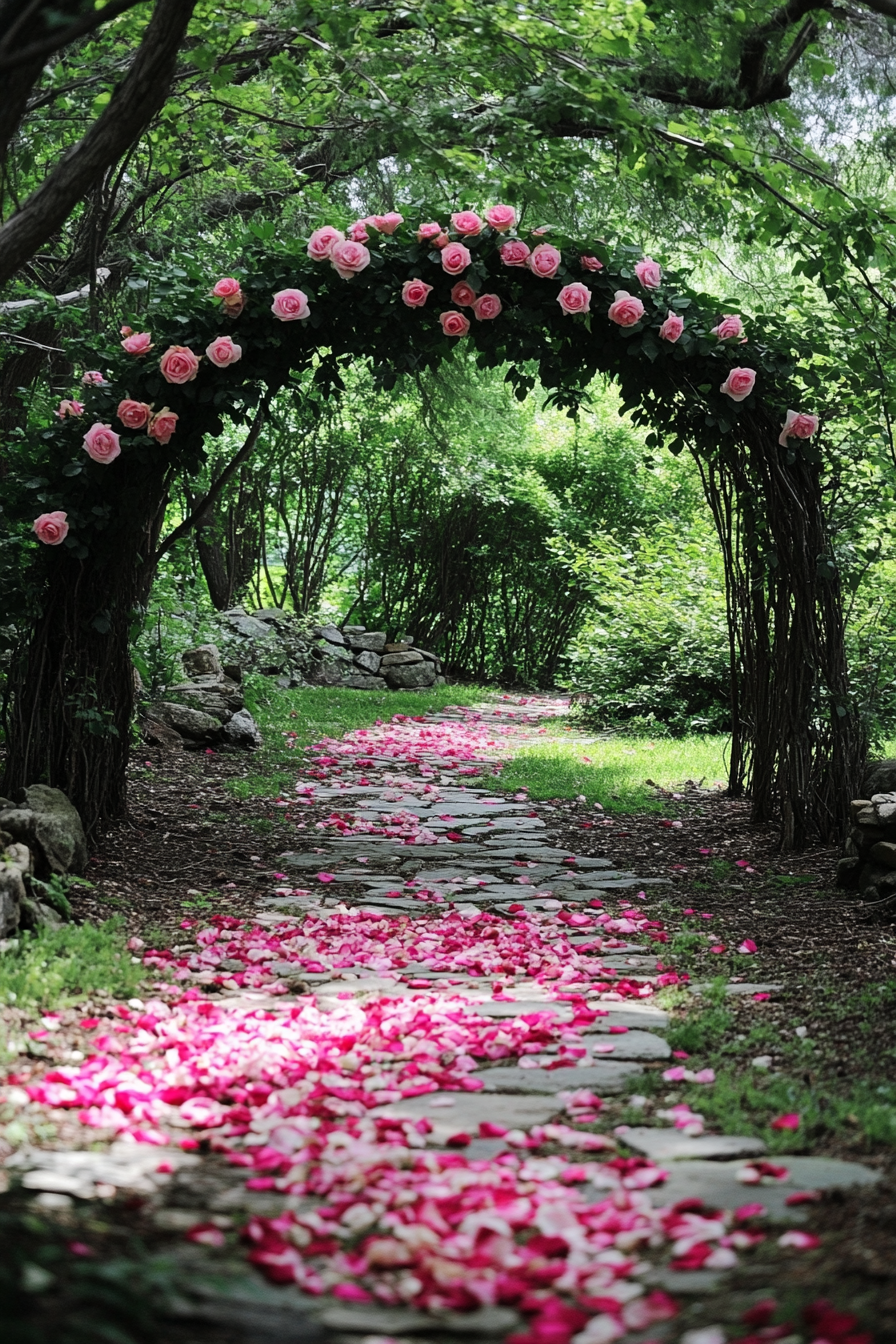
(671, 1145)
(605, 1078)
(641, 1045)
(716, 1183)
(468, 1110)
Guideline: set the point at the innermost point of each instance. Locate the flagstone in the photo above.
(605, 1078)
(715, 1182)
(671, 1145)
(470, 1109)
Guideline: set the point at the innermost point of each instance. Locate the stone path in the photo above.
(424, 1017)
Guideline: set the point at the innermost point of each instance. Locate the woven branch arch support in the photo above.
(205, 350)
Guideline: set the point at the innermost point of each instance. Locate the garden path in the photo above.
(392, 1080)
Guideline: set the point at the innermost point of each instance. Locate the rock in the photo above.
(418, 674)
(372, 640)
(242, 731)
(190, 723)
(643, 1045)
(15, 865)
(361, 681)
(233, 672)
(339, 651)
(671, 1145)
(271, 615)
(848, 874)
(369, 661)
(605, 1078)
(467, 1110)
(394, 660)
(202, 661)
(330, 633)
(50, 825)
(353, 629)
(325, 672)
(249, 627)
(717, 1185)
(159, 734)
(880, 777)
(884, 853)
(208, 700)
(39, 915)
(430, 657)
(858, 805)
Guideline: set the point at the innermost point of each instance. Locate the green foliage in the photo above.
(52, 968)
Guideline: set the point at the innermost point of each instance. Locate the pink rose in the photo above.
(487, 306)
(800, 425)
(415, 293)
(162, 425)
(133, 414)
(388, 223)
(322, 242)
(455, 258)
(358, 231)
(51, 528)
(463, 294)
(179, 364)
(222, 351)
(591, 264)
(126, 331)
(228, 288)
(290, 305)
(101, 443)
(426, 231)
(729, 327)
(454, 324)
(544, 261)
(500, 217)
(140, 343)
(575, 298)
(93, 378)
(69, 408)
(540, 232)
(672, 327)
(441, 240)
(626, 310)
(739, 383)
(515, 252)
(349, 258)
(468, 222)
(649, 272)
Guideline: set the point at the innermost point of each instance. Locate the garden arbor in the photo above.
(202, 350)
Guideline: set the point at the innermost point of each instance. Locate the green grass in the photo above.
(313, 712)
(616, 772)
(53, 968)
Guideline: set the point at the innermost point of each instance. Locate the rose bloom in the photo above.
(515, 252)
(625, 310)
(228, 288)
(290, 305)
(133, 414)
(69, 408)
(349, 258)
(799, 424)
(357, 232)
(101, 443)
(93, 378)
(544, 261)
(575, 298)
(322, 242)
(387, 223)
(729, 327)
(179, 364)
(125, 331)
(140, 343)
(672, 327)
(487, 306)
(649, 272)
(222, 351)
(468, 222)
(441, 240)
(426, 231)
(454, 324)
(51, 528)
(500, 217)
(591, 264)
(739, 383)
(162, 425)
(455, 258)
(415, 293)
(463, 294)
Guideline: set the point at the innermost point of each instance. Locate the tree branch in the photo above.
(11, 56)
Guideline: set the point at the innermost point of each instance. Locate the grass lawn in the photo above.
(614, 771)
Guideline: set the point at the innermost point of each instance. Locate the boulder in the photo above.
(880, 777)
(369, 661)
(192, 724)
(249, 627)
(158, 734)
(401, 659)
(402, 646)
(325, 672)
(242, 731)
(214, 695)
(271, 615)
(353, 629)
(233, 672)
(360, 681)
(329, 632)
(430, 657)
(884, 854)
(15, 865)
(410, 676)
(50, 825)
(203, 661)
(372, 640)
(339, 651)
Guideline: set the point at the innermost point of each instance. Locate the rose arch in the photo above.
(201, 351)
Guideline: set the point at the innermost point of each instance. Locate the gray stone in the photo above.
(369, 661)
(325, 672)
(208, 701)
(372, 1319)
(402, 659)
(337, 651)
(15, 865)
(717, 1185)
(159, 734)
(880, 777)
(671, 1145)
(233, 672)
(605, 1078)
(630, 1014)
(202, 661)
(360, 681)
(400, 646)
(330, 633)
(271, 615)
(190, 723)
(249, 627)
(411, 677)
(50, 825)
(373, 641)
(468, 1110)
(641, 1045)
(430, 657)
(688, 1283)
(242, 731)
(353, 629)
